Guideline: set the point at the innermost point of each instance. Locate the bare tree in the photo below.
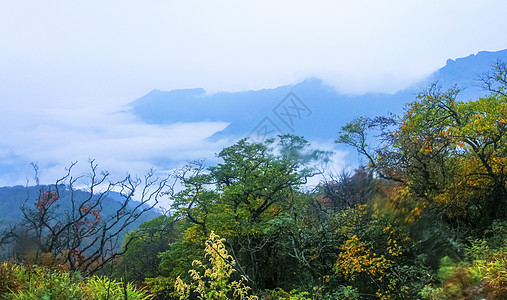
(74, 230)
(495, 81)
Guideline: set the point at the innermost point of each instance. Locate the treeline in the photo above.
(424, 218)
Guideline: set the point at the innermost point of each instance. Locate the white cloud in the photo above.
(118, 141)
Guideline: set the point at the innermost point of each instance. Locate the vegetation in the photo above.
(425, 218)
(19, 282)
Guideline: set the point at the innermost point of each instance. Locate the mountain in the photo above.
(464, 72)
(310, 108)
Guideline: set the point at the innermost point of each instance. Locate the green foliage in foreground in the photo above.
(21, 283)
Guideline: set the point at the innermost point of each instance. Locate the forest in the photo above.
(424, 217)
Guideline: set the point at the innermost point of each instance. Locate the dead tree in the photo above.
(75, 231)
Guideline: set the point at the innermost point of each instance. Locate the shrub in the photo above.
(42, 283)
(9, 278)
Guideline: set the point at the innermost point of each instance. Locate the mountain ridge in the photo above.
(330, 109)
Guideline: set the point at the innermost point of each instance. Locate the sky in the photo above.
(68, 68)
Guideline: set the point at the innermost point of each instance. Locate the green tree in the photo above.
(141, 258)
(248, 199)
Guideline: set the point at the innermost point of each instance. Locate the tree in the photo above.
(457, 154)
(247, 198)
(495, 81)
(374, 138)
(451, 155)
(77, 234)
(141, 258)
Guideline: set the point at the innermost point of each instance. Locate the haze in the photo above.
(68, 67)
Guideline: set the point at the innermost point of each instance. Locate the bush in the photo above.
(42, 283)
(105, 288)
(9, 278)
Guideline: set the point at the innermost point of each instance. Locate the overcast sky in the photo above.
(66, 66)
